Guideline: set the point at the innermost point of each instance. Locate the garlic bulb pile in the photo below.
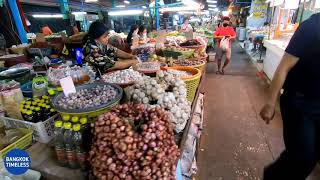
(146, 90)
(179, 74)
(122, 76)
(165, 91)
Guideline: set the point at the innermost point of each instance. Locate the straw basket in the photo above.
(192, 82)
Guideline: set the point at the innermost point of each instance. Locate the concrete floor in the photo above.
(236, 143)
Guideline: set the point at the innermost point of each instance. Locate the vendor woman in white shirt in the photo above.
(187, 29)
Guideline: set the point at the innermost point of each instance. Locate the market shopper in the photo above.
(298, 74)
(225, 34)
(133, 33)
(143, 38)
(46, 30)
(102, 56)
(187, 29)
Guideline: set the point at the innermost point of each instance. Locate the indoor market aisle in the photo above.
(236, 144)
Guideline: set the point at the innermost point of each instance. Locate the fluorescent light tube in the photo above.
(79, 13)
(125, 12)
(120, 6)
(212, 5)
(144, 7)
(209, 1)
(47, 15)
(126, 2)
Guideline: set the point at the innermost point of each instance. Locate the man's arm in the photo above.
(287, 63)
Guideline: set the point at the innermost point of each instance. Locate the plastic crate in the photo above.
(43, 131)
(21, 143)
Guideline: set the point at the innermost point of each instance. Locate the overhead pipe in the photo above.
(16, 17)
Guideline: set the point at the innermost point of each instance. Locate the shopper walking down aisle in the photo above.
(224, 35)
(299, 75)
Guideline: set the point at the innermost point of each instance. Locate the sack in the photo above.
(224, 44)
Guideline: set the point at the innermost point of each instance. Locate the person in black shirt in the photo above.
(299, 75)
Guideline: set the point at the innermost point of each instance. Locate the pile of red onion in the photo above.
(133, 142)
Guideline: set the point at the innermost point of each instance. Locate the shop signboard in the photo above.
(258, 13)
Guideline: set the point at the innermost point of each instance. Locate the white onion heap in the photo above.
(122, 76)
(165, 91)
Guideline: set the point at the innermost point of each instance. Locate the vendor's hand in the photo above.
(267, 113)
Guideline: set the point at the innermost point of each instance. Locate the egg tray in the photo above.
(91, 109)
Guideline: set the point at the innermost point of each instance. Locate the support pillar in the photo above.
(157, 14)
(17, 20)
(64, 8)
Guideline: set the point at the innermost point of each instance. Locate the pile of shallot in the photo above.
(132, 142)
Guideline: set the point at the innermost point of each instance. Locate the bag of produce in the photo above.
(224, 44)
(11, 100)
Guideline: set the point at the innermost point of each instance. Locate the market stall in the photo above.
(139, 122)
(279, 35)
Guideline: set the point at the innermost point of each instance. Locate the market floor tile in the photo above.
(236, 144)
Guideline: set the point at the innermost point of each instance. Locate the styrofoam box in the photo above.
(42, 131)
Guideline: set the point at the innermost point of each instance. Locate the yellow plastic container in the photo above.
(192, 83)
(23, 142)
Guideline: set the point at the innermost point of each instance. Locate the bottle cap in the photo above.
(66, 117)
(75, 119)
(42, 101)
(32, 107)
(28, 102)
(76, 127)
(58, 124)
(83, 120)
(29, 112)
(47, 106)
(52, 110)
(45, 97)
(23, 102)
(47, 101)
(34, 103)
(67, 125)
(37, 109)
(27, 106)
(51, 92)
(23, 111)
(21, 105)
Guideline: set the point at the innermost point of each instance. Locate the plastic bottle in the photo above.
(59, 143)
(79, 145)
(29, 116)
(38, 115)
(70, 146)
(52, 112)
(87, 136)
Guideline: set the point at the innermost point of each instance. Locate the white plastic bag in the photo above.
(224, 44)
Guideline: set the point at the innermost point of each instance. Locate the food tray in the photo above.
(42, 131)
(163, 66)
(91, 109)
(192, 82)
(23, 142)
(122, 85)
(175, 54)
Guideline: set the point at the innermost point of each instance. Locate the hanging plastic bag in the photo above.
(225, 44)
(11, 100)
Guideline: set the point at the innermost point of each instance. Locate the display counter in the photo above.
(275, 51)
